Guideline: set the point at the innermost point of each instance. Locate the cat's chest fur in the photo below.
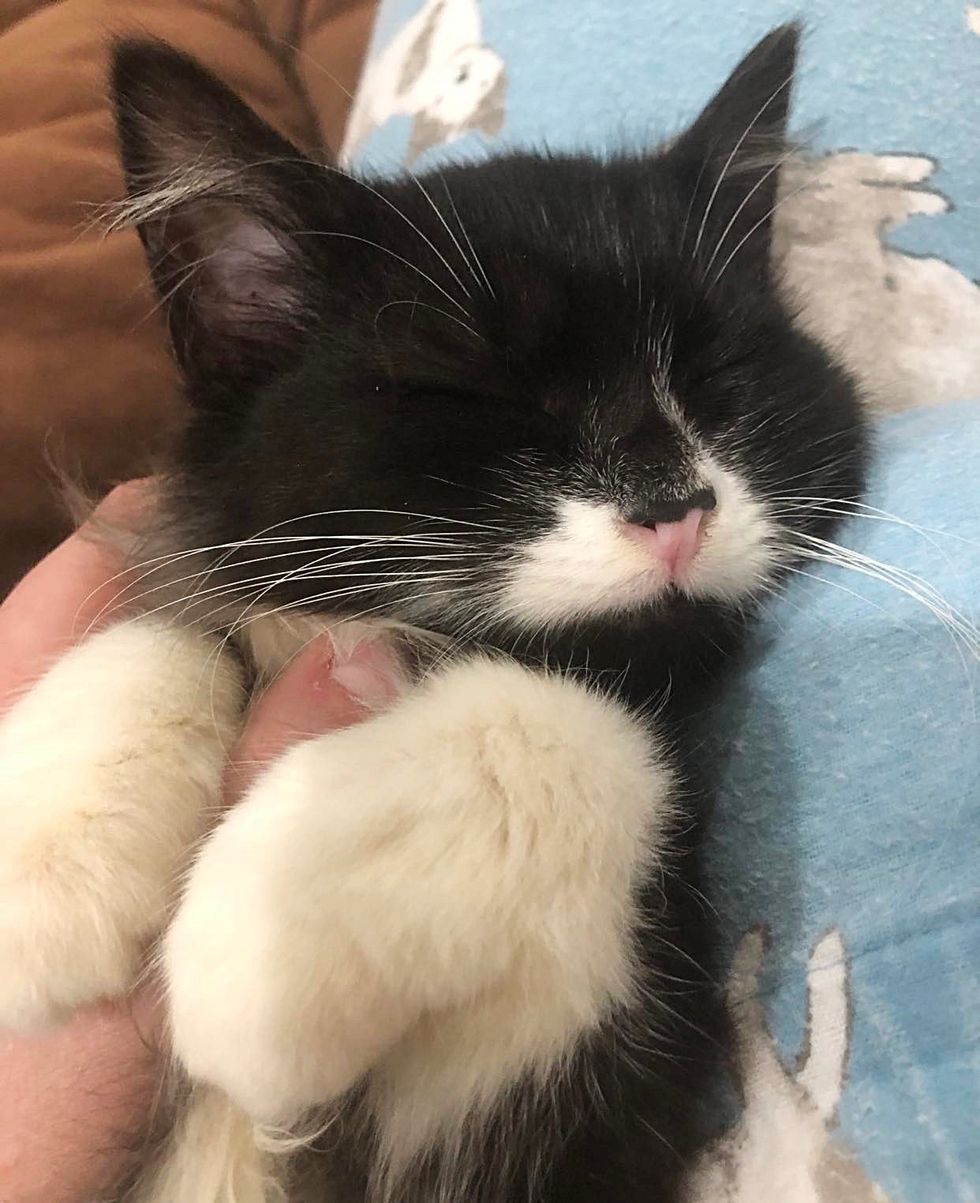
(659, 671)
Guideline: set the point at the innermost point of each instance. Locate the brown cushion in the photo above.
(85, 378)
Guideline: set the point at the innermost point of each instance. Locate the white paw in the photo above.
(481, 839)
(108, 767)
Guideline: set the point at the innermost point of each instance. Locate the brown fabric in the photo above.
(85, 379)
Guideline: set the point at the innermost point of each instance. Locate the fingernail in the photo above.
(368, 674)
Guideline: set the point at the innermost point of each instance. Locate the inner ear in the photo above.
(221, 202)
(729, 160)
(234, 288)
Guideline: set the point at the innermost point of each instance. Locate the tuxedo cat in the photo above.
(543, 425)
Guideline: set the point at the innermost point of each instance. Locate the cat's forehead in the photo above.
(545, 234)
(541, 211)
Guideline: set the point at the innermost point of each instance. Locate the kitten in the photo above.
(544, 425)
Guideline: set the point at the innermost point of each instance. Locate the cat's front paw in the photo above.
(63, 941)
(108, 767)
(481, 839)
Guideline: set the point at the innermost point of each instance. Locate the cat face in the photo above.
(524, 394)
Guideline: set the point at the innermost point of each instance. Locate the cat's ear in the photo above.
(221, 202)
(730, 157)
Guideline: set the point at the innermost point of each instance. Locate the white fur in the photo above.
(107, 769)
(212, 1156)
(741, 546)
(586, 565)
(444, 892)
(218, 1154)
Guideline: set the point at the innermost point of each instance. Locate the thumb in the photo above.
(317, 692)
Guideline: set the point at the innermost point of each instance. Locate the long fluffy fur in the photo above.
(530, 808)
(109, 771)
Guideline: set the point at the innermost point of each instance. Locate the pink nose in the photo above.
(674, 544)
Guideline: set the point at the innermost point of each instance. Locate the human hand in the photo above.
(73, 1101)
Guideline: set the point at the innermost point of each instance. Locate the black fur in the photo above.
(358, 359)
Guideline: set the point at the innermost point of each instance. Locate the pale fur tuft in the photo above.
(201, 180)
(441, 897)
(213, 1155)
(110, 767)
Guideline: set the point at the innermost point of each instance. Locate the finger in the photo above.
(58, 601)
(316, 693)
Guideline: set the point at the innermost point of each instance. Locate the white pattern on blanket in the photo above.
(908, 325)
(436, 71)
(783, 1148)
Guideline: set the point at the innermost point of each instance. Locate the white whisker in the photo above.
(408, 221)
(909, 584)
(388, 251)
(435, 209)
(469, 243)
(745, 200)
(762, 220)
(860, 509)
(731, 158)
(425, 305)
